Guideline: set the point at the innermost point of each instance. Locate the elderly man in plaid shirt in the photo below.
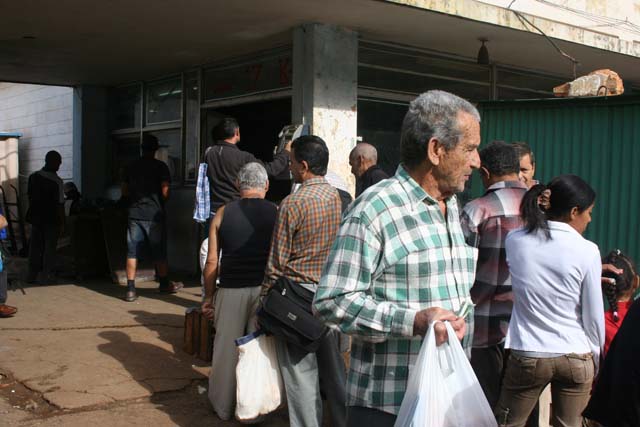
(486, 221)
(400, 261)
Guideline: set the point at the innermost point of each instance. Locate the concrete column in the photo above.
(325, 81)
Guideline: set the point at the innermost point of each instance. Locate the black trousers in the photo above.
(42, 249)
(359, 416)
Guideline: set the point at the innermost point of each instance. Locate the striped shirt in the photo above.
(395, 254)
(306, 226)
(486, 221)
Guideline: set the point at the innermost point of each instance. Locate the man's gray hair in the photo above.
(434, 114)
(365, 150)
(252, 176)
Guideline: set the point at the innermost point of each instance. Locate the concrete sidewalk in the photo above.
(81, 355)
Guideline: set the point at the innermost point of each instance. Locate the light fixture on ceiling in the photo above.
(483, 52)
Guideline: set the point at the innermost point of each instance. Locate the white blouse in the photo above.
(558, 304)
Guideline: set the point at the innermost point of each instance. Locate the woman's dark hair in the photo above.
(567, 192)
(225, 129)
(313, 150)
(623, 282)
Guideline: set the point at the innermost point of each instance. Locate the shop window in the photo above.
(170, 151)
(125, 107)
(164, 101)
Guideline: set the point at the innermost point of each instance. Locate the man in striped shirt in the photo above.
(306, 226)
(400, 261)
(486, 221)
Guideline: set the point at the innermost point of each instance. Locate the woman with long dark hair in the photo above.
(556, 332)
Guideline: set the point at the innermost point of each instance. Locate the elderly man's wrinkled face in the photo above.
(457, 164)
(356, 165)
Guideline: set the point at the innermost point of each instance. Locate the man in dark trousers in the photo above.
(46, 216)
(146, 185)
(363, 160)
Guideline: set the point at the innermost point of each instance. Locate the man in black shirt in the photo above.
(363, 160)
(224, 160)
(46, 216)
(146, 184)
(242, 230)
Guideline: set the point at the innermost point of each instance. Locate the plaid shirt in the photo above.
(306, 226)
(395, 254)
(202, 210)
(486, 222)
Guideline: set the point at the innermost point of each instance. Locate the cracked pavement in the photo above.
(96, 359)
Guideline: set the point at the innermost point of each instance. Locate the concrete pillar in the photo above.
(325, 81)
(94, 141)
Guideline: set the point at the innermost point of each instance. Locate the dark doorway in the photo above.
(260, 124)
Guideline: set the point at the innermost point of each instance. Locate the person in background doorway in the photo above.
(146, 185)
(224, 160)
(527, 163)
(364, 165)
(46, 216)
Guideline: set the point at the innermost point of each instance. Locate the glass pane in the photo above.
(170, 151)
(126, 148)
(125, 107)
(192, 119)
(386, 57)
(263, 76)
(164, 101)
(416, 84)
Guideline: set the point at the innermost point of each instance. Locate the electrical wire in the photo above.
(524, 21)
(599, 19)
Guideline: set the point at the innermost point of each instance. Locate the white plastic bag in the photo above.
(259, 384)
(443, 390)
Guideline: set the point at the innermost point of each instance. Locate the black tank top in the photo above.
(244, 238)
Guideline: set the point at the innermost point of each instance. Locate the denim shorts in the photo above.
(151, 233)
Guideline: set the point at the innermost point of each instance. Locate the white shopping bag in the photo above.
(443, 390)
(259, 384)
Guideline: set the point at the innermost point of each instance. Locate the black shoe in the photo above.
(130, 296)
(173, 288)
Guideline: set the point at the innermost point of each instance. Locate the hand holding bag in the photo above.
(260, 389)
(443, 390)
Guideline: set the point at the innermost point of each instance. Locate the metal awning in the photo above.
(114, 42)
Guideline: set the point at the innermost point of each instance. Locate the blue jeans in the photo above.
(151, 233)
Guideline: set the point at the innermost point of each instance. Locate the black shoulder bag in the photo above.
(286, 313)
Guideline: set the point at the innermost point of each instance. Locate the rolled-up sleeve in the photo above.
(592, 306)
(345, 295)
